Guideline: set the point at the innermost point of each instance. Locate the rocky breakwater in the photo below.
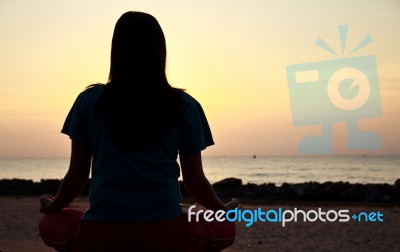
(29, 187)
(309, 191)
(233, 187)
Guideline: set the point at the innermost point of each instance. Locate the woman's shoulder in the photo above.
(188, 99)
(93, 90)
(89, 95)
(191, 105)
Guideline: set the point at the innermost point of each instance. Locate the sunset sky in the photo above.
(230, 55)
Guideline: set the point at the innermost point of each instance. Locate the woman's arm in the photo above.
(198, 185)
(75, 179)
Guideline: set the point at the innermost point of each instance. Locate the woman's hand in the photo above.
(46, 201)
(234, 203)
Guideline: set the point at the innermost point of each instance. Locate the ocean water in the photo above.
(263, 169)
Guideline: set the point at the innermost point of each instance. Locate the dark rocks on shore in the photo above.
(233, 187)
(28, 187)
(308, 191)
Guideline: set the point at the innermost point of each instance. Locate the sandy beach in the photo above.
(19, 216)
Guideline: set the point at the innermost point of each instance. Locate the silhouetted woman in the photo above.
(130, 132)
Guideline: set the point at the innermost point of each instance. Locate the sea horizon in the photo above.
(277, 169)
(229, 155)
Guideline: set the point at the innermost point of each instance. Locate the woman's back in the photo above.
(141, 183)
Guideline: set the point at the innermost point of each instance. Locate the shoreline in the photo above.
(257, 193)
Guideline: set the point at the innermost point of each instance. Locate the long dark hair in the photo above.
(138, 103)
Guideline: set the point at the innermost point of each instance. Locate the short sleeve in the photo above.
(196, 134)
(75, 125)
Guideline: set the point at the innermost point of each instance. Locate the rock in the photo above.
(397, 185)
(227, 187)
(228, 183)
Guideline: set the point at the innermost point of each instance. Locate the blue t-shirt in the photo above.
(142, 184)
